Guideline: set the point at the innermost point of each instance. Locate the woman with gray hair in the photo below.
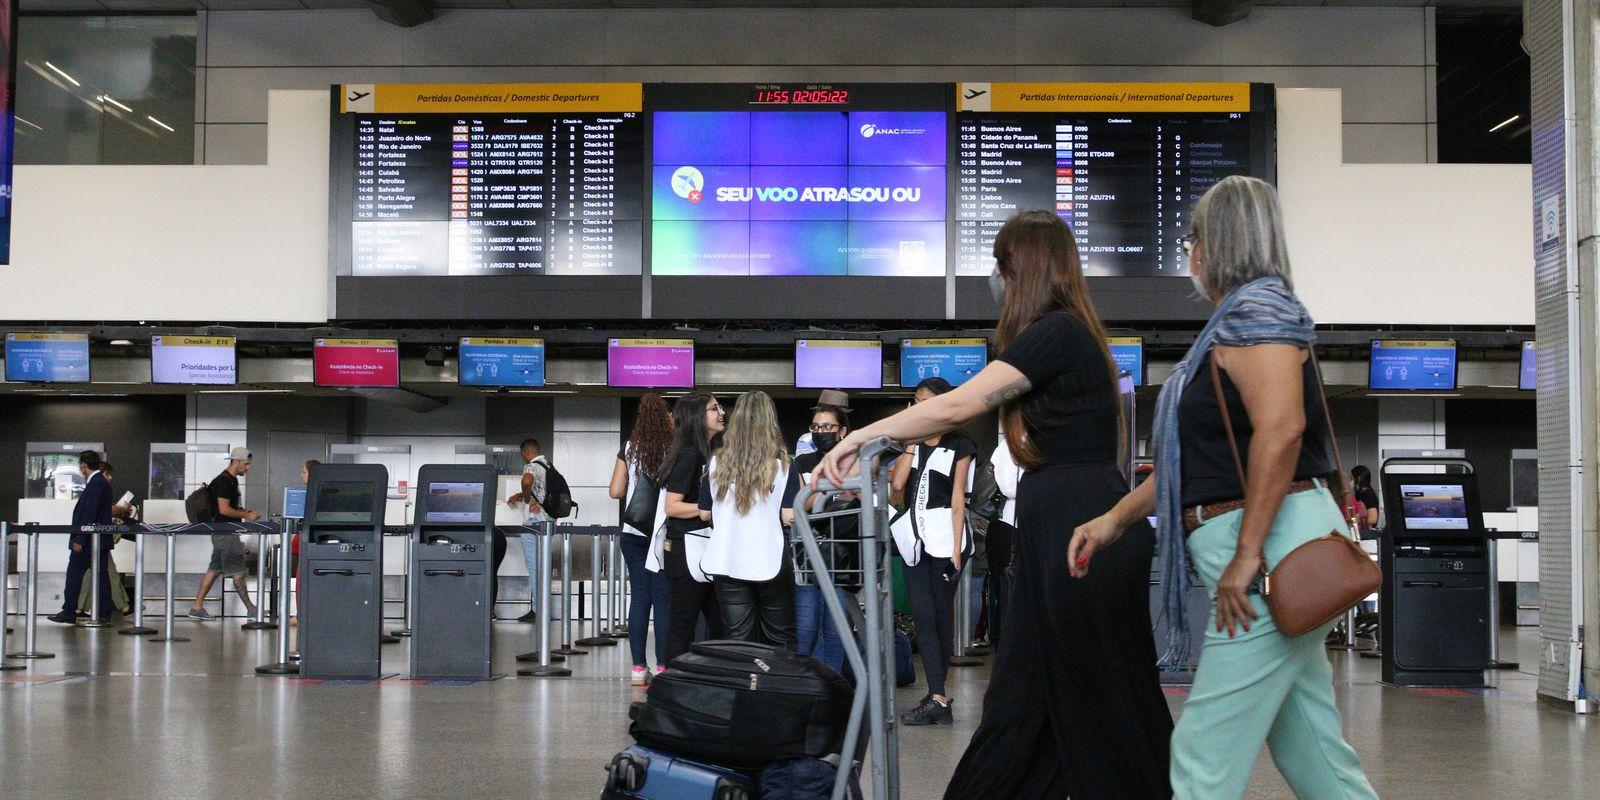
(1254, 684)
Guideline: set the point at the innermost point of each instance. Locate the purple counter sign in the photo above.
(650, 363)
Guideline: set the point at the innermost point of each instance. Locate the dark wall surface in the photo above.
(1489, 430)
(127, 426)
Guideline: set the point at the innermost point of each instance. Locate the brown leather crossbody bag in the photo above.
(1323, 578)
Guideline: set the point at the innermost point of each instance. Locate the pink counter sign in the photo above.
(650, 363)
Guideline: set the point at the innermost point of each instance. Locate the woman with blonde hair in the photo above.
(748, 499)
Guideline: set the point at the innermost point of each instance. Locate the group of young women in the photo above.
(1074, 708)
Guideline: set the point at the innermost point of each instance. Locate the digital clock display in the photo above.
(800, 97)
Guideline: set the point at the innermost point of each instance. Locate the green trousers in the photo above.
(119, 593)
(1263, 686)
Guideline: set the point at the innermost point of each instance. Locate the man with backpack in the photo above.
(545, 493)
(228, 555)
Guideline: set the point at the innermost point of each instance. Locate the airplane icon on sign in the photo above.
(972, 93)
(354, 95)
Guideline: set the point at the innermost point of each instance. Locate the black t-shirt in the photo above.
(685, 477)
(224, 487)
(844, 527)
(1071, 412)
(1368, 496)
(1209, 474)
(941, 486)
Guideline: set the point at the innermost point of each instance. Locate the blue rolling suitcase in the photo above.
(640, 773)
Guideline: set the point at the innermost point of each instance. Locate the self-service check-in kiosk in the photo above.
(451, 565)
(341, 571)
(1434, 610)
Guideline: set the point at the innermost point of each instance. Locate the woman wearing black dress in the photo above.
(1074, 707)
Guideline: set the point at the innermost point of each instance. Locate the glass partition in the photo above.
(179, 468)
(506, 458)
(394, 457)
(50, 469)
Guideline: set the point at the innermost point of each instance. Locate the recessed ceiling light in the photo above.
(121, 343)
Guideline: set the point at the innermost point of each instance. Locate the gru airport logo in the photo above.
(688, 183)
(870, 130)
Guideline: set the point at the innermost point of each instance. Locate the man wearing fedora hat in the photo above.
(228, 556)
(829, 400)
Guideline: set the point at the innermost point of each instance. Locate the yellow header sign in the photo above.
(1104, 97)
(358, 342)
(1423, 344)
(652, 342)
(192, 341)
(944, 342)
(493, 342)
(1111, 340)
(48, 337)
(486, 98)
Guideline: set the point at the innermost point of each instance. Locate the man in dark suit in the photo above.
(93, 508)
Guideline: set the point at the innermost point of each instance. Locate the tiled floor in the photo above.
(112, 716)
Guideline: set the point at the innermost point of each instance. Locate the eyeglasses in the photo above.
(1187, 242)
(826, 427)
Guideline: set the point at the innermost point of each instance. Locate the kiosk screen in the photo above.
(455, 503)
(1434, 507)
(344, 501)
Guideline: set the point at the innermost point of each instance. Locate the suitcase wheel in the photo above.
(627, 773)
(727, 790)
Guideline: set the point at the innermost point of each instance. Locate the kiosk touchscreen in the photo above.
(341, 551)
(1434, 618)
(451, 567)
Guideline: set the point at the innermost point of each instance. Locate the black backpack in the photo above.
(986, 501)
(557, 500)
(198, 505)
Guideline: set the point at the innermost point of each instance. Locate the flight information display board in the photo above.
(1123, 163)
(194, 360)
(500, 362)
(356, 363)
(650, 363)
(503, 179)
(838, 364)
(955, 360)
(47, 357)
(1412, 365)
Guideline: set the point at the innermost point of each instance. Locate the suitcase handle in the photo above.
(333, 572)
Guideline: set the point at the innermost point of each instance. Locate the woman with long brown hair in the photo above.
(1074, 707)
(637, 478)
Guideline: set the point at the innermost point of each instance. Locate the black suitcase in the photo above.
(744, 705)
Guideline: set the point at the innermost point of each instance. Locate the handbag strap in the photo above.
(1335, 486)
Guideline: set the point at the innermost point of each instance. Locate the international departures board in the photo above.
(1123, 163)
(502, 179)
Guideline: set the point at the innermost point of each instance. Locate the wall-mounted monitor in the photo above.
(343, 502)
(1122, 163)
(294, 502)
(798, 201)
(955, 360)
(455, 503)
(47, 357)
(1412, 365)
(462, 201)
(356, 363)
(838, 364)
(484, 361)
(194, 360)
(1128, 352)
(1528, 367)
(650, 363)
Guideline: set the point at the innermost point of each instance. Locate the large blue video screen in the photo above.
(798, 193)
(47, 357)
(1412, 365)
(500, 362)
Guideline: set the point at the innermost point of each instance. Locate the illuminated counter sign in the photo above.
(194, 360)
(501, 362)
(955, 360)
(47, 357)
(1412, 365)
(1122, 163)
(838, 364)
(357, 362)
(1128, 352)
(1528, 374)
(650, 363)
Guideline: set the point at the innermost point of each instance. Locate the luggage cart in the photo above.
(870, 653)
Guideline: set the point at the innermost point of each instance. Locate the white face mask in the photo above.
(1199, 286)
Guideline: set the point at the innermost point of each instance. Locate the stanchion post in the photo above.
(5, 572)
(166, 610)
(30, 626)
(260, 623)
(599, 638)
(283, 666)
(138, 628)
(617, 569)
(566, 648)
(410, 590)
(96, 573)
(541, 606)
(962, 656)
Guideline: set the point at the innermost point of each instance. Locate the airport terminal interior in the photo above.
(367, 363)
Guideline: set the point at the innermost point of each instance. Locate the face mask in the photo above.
(1199, 286)
(997, 287)
(825, 441)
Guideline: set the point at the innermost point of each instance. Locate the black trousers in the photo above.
(931, 586)
(687, 600)
(78, 564)
(499, 548)
(759, 611)
(998, 546)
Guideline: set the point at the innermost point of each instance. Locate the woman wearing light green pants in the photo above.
(1230, 512)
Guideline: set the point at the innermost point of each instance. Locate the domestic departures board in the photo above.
(502, 179)
(1123, 163)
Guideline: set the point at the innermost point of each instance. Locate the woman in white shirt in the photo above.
(749, 498)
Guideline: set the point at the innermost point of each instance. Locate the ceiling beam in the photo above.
(1221, 12)
(404, 13)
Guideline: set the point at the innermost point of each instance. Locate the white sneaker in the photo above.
(639, 677)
